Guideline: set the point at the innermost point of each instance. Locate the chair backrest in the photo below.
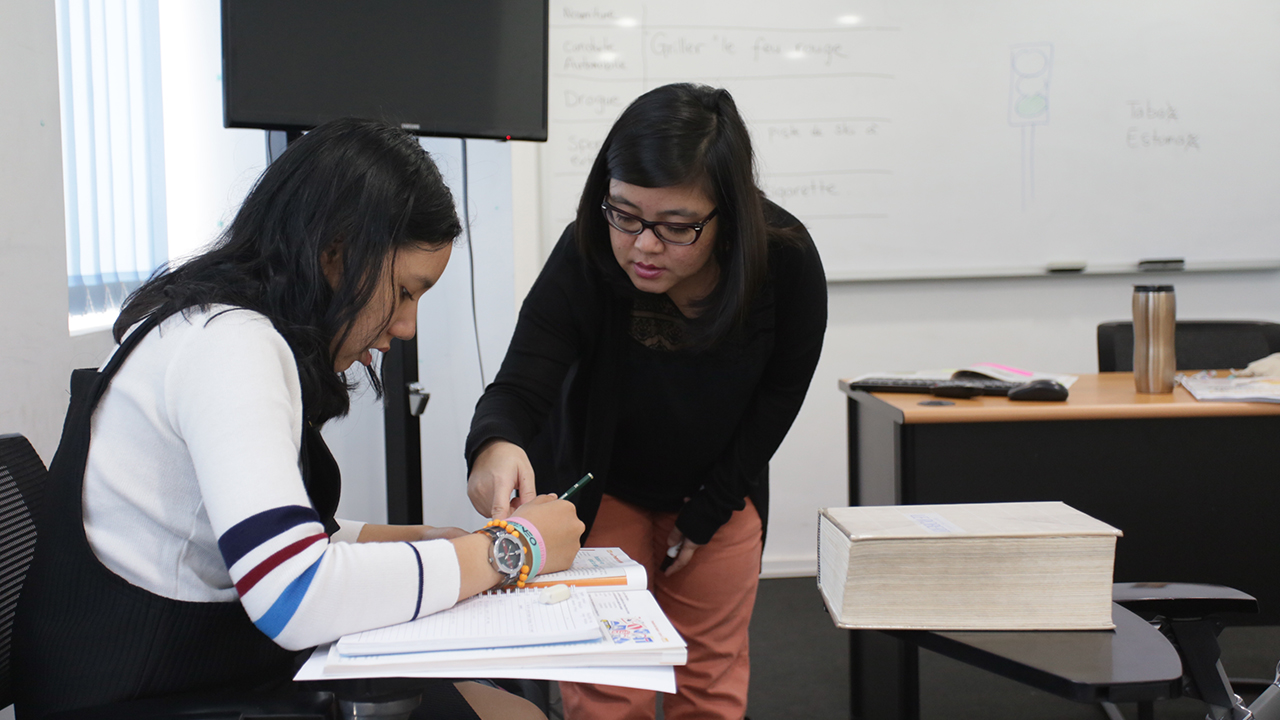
(22, 477)
(1198, 344)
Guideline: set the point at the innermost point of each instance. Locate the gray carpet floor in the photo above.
(800, 670)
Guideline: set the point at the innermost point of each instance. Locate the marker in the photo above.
(577, 486)
(1162, 265)
(1066, 266)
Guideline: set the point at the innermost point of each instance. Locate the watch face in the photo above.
(509, 554)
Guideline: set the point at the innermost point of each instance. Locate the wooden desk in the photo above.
(1105, 396)
(1195, 487)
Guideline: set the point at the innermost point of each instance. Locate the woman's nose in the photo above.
(405, 323)
(648, 241)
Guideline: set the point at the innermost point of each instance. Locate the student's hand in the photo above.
(687, 549)
(500, 468)
(558, 524)
(557, 521)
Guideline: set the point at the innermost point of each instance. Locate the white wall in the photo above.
(1042, 323)
(1045, 323)
(449, 363)
(36, 353)
(208, 168)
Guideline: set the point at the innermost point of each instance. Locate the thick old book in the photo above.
(980, 566)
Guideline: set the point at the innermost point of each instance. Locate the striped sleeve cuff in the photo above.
(272, 558)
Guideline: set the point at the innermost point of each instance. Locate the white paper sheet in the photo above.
(657, 678)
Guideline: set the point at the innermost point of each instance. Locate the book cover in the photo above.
(1013, 519)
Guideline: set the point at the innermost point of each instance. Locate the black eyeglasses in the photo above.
(668, 232)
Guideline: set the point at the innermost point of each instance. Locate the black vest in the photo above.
(85, 636)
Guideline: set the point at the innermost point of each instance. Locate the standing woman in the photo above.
(188, 544)
(666, 347)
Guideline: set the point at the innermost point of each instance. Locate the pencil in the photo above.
(577, 486)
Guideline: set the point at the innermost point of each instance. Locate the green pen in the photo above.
(577, 486)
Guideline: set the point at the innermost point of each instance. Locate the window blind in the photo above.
(113, 149)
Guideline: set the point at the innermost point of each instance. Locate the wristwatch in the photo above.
(507, 556)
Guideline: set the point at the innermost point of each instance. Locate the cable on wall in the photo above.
(471, 256)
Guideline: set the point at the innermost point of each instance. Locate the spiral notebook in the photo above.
(597, 569)
(631, 631)
(508, 619)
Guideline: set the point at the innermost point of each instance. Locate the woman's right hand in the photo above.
(557, 521)
(500, 468)
(558, 524)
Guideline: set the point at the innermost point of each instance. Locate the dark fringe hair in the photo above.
(368, 186)
(689, 134)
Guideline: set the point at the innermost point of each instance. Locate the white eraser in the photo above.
(554, 594)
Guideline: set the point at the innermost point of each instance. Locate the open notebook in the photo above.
(484, 621)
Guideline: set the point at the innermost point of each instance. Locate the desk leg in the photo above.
(884, 677)
(855, 458)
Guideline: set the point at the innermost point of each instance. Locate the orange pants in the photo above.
(709, 602)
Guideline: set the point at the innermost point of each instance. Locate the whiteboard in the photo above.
(920, 138)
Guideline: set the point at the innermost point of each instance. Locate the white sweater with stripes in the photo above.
(193, 491)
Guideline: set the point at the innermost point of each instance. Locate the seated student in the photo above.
(666, 347)
(189, 543)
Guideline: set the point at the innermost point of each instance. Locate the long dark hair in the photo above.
(367, 186)
(688, 134)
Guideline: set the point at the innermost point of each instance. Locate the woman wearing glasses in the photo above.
(666, 347)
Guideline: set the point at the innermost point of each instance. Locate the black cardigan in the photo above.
(556, 394)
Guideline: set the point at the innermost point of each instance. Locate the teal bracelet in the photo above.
(530, 531)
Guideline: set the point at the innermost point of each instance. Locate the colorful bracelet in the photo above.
(532, 555)
(539, 547)
(532, 543)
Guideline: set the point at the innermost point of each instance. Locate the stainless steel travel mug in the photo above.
(1153, 327)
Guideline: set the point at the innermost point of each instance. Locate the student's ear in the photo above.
(331, 263)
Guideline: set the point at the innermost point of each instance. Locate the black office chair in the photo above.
(22, 479)
(21, 492)
(1198, 344)
(1191, 616)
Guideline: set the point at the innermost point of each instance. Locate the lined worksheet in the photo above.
(484, 621)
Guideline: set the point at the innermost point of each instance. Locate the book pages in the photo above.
(979, 566)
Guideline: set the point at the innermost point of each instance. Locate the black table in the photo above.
(1133, 663)
(1193, 486)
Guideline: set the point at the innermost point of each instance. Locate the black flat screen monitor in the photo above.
(454, 68)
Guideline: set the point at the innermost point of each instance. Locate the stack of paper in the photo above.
(1205, 387)
(628, 629)
(992, 566)
(598, 569)
(601, 634)
(485, 621)
(993, 371)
